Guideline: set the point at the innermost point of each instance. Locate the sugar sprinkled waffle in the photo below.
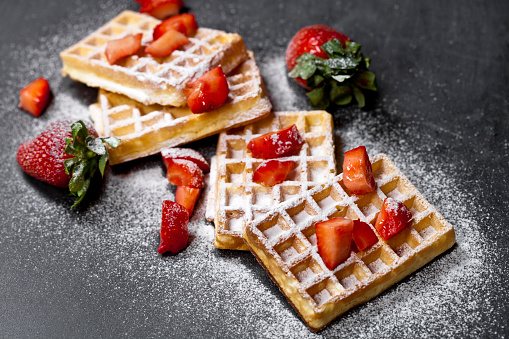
(234, 198)
(144, 78)
(284, 242)
(145, 130)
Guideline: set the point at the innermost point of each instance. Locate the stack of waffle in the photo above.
(142, 99)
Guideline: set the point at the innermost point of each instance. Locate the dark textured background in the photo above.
(443, 78)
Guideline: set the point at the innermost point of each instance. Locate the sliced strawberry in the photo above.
(357, 171)
(184, 173)
(334, 238)
(272, 172)
(174, 231)
(35, 97)
(393, 218)
(208, 92)
(167, 43)
(184, 23)
(278, 144)
(121, 48)
(363, 236)
(187, 154)
(187, 197)
(161, 9)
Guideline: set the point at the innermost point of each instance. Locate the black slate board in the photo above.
(441, 114)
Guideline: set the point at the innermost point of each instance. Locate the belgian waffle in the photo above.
(284, 242)
(144, 78)
(145, 130)
(235, 200)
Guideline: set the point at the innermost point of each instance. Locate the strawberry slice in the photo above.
(278, 144)
(161, 9)
(187, 197)
(174, 231)
(363, 236)
(35, 97)
(167, 43)
(184, 173)
(334, 238)
(272, 172)
(121, 48)
(393, 218)
(184, 23)
(208, 92)
(186, 154)
(357, 171)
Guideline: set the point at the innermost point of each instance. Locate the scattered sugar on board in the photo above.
(118, 233)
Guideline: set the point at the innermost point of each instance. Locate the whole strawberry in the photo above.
(65, 154)
(330, 65)
(174, 231)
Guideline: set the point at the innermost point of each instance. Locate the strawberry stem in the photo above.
(89, 154)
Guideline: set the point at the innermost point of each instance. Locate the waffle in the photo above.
(284, 242)
(145, 130)
(235, 199)
(144, 78)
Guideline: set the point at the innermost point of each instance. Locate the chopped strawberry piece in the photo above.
(187, 197)
(278, 144)
(334, 238)
(184, 23)
(187, 154)
(167, 43)
(272, 172)
(174, 231)
(184, 173)
(35, 97)
(363, 236)
(161, 9)
(121, 48)
(357, 171)
(393, 218)
(208, 92)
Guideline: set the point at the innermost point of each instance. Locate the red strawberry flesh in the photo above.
(161, 9)
(358, 172)
(35, 97)
(363, 236)
(174, 231)
(393, 218)
(272, 172)
(184, 23)
(285, 142)
(334, 238)
(167, 43)
(209, 92)
(121, 48)
(187, 197)
(184, 173)
(186, 154)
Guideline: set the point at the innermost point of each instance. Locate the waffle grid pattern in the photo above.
(172, 126)
(240, 200)
(285, 241)
(86, 60)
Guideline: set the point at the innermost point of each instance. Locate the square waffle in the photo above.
(142, 77)
(145, 130)
(284, 242)
(235, 200)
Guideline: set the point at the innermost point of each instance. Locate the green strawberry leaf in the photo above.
(338, 79)
(89, 153)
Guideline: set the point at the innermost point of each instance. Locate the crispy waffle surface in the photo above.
(145, 130)
(141, 77)
(234, 199)
(284, 242)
